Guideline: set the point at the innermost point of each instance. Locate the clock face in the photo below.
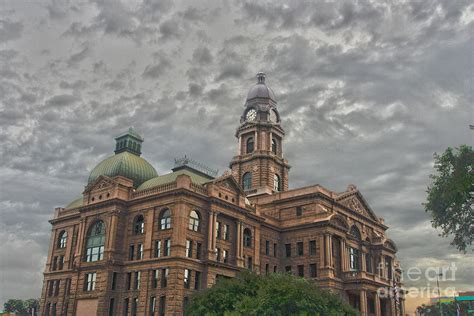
(273, 116)
(251, 115)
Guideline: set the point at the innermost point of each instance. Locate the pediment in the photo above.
(356, 202)
(101, 183)
(228, 182)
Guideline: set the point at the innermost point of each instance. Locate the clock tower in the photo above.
(259, 165)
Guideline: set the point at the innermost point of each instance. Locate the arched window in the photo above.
(276, 182)
(165, 219)
(247, 238)
(95, 242)
(62, 240)
(194, 221)
(250, 144)
(274, 146)
(139, 225)
(354, 232)
(247, 181)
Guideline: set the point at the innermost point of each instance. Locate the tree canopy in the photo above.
(21, 307)
(436, 309)
(451, 195)
(272, 294)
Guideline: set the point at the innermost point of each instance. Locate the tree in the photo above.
(451, 195)
(272, 294)
(447, 309)
(21, 307)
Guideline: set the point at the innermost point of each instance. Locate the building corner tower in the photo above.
(259, 165)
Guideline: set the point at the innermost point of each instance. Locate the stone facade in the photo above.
(131, 249)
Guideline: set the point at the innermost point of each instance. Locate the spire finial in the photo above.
(261, 77)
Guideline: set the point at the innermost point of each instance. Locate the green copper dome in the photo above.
(127, 165)
(126, 162)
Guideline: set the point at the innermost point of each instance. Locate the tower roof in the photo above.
(126, 162)
(260, 89)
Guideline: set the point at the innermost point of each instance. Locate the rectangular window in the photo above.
(312, 270)
(226, 232)
(50, 288)
(299, 211)
(53, 310)
(267, 268)
(164, 277)
(162, 309)
(225, 256)
(90, 282)
(187, 276)
(167, 248)
(56, 287)
(189, 248)
(128, 285)
(48, 308)
(250, 263)
(368, 263)
(299, 246)
(312, 247)
(111, 307)
(288, 269)
(275, 269)
(131, 252)
(94, 253)
(197, 280)
(114, 280)
(157, 248)
(125, 307)
(154, 278)
(55, 263)
(288, 250)
(354, 259)
(267, 247)
(137, 280)
(152, 305)
(134, 306)
(388, 267)
(218, 254)
(301, 270)
(218, 230)
(275, 249)
(139, 251)
(61, 262)
(198, 250)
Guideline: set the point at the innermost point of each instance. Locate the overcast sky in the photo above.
(367, 93)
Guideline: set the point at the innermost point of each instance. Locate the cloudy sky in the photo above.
(367, 91)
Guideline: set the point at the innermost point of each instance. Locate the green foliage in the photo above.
(272, 294)
(451, 195)
(447, 309)
(21, 307)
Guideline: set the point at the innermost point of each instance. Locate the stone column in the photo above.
(363, 265)
(148, 245)
(80, 241)
(343, 255)
(112, 234)
(239, 147)
(377, 304)
(392, 306)
(255, 145)
(210, 235)
(328, 254)
(363, 302)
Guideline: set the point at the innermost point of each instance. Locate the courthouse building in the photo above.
(139, 243)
